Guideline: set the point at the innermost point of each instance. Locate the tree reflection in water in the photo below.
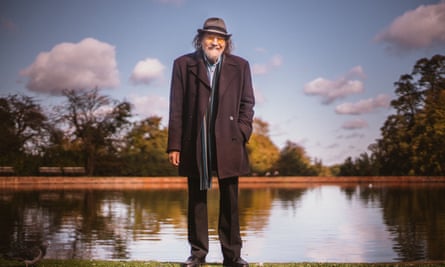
(151, 224)
(414, 215)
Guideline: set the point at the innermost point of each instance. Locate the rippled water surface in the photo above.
(335, 223)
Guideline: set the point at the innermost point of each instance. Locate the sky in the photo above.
(323, 71)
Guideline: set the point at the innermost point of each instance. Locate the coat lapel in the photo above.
(198, 69)
(228, 72)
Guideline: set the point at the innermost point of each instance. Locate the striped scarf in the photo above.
(208, 135)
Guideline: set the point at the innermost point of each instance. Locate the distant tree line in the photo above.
(89, 130)
(100, 134)
(412, 140)
(96, 132)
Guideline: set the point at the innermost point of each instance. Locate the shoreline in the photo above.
(138, 183)
(136, 263)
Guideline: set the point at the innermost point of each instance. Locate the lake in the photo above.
(346, 222)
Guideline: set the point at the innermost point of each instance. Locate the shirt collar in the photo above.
(210, 65)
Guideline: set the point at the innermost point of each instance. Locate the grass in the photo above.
(101, 263)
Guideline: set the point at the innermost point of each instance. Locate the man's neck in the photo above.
(210, 62)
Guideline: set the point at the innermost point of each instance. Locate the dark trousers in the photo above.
(228, 224)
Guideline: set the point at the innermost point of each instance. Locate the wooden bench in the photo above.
(73, 170)
(50, 170)
(6, 170)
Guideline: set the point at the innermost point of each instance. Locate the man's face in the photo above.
(213, 46)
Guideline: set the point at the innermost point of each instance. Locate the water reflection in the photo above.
(316, 223)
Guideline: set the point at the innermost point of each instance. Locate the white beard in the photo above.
(212, 55)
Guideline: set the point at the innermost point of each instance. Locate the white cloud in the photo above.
(419, 28)
(261, 69)
(260, 49)
(363, 106)
(351, 136)
(356, 71)
(147, 71)
(84, 65)
(354, 124)
(145, 106)
(276, 61)
(330, 90)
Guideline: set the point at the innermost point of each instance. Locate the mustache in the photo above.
(214, 46)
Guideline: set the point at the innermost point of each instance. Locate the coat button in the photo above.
(231, 118)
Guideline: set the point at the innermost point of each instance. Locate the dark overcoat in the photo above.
(189, 98)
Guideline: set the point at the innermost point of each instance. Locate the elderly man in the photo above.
(211, 113)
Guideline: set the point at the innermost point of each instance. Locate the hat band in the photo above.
(215, 28)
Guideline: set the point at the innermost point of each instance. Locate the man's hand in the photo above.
(173, 157)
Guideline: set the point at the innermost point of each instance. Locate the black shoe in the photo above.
(238, 263)
(193, 261)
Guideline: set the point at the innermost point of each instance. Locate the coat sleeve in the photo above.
(176, 109)
(246, 112)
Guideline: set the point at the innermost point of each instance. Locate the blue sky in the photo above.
(323, 70)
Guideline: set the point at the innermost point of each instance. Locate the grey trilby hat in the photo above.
(215, 25)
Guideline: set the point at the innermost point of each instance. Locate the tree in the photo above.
(413, 139)
(93, 121)
(364, 165)
(293, 161)
(347, 168)
(262, 152)
(23, 128)
(430, 131)
(144, 153)
(61, 150)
